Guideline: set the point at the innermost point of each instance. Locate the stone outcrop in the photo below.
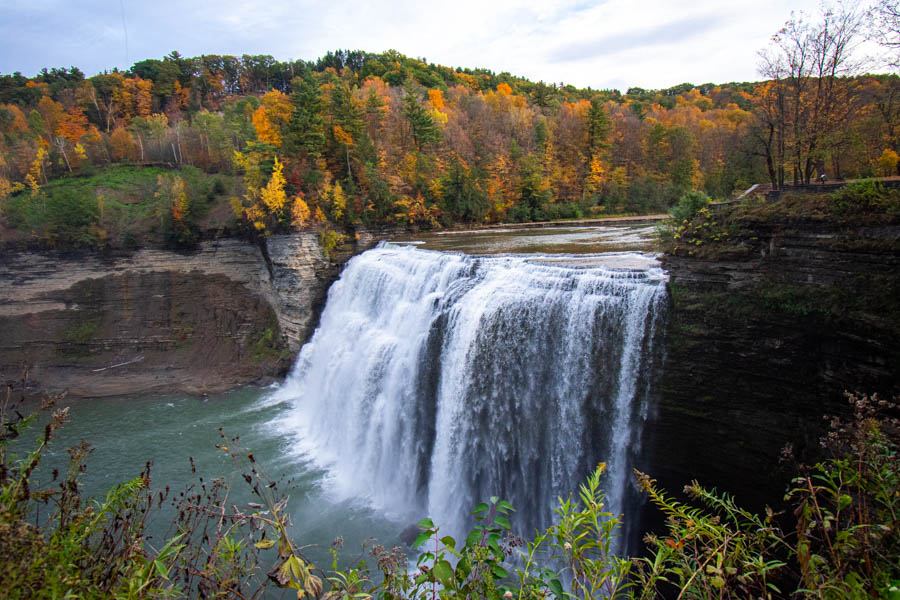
(762, 345)
(226, 314)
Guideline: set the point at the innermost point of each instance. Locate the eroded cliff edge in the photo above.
(766, 332)
(226, 314)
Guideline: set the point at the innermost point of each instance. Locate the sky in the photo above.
(602, 44)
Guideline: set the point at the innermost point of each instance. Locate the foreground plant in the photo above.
(845, 543)
(56, 544)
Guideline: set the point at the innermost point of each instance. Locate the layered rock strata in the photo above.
(226, 314)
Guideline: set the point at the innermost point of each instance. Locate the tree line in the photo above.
(359, 137)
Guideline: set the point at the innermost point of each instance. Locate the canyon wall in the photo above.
(228, 313)
(762, 344)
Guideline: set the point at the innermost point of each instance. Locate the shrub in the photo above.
(845, 543)
(688, 205)
(865, 197)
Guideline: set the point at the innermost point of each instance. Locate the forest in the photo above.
(384, 139)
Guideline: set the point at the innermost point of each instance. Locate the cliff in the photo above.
(226, 314)
(766, 332)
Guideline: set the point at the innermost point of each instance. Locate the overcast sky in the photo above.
(602, 44)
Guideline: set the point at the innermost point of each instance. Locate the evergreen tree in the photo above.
(305, 132)
(422, 127)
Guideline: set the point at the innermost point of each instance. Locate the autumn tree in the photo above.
(271, 118)
(806, 62)
(123, 145)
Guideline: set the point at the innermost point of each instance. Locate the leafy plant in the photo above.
(848, 507)
(688, 205)
(845, 543)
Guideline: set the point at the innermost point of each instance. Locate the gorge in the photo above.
(757, 350)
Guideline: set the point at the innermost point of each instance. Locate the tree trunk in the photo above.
(61, 144)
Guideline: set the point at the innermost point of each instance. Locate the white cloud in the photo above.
(612, 43)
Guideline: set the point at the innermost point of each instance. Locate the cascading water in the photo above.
(437, 380)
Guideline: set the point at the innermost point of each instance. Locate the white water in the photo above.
(437, 380)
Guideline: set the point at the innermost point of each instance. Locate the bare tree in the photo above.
(810, 96)
(884, 28)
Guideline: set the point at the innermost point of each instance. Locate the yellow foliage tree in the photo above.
(273, 195)
(338, 201)
(7, 188)
(342, 137)
(36, 170)
(887, 162)
(437, 99)
(299, 212)
(171, 188)
(265, 130)
(596, 175)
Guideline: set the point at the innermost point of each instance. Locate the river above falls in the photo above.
(591, 239)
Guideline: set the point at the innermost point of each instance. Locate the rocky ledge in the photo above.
(228, 313)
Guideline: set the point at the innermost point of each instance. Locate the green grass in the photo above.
(117, 207)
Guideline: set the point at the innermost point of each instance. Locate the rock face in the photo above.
(226, 314)
(760, 347)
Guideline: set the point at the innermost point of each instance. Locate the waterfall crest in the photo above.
(437, 380)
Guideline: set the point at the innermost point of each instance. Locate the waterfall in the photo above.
(437, 380)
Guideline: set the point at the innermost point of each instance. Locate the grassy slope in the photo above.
(120, 207)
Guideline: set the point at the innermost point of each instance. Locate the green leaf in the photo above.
(480, 508)
(717, 582)
(295, 567)
(474, 538)
(443, 572)
(426, 523)
(265, 544)
(464, 567)
(494, 499)
(161, 568)
(500, 572)
(421, 539)
(844, 501)
(556, 587)
(502, 522)
(505, 506)
(448, 541)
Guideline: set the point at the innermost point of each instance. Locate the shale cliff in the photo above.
(766, 332)
(228, 313)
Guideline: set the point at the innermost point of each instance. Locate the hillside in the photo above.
(185, 145)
